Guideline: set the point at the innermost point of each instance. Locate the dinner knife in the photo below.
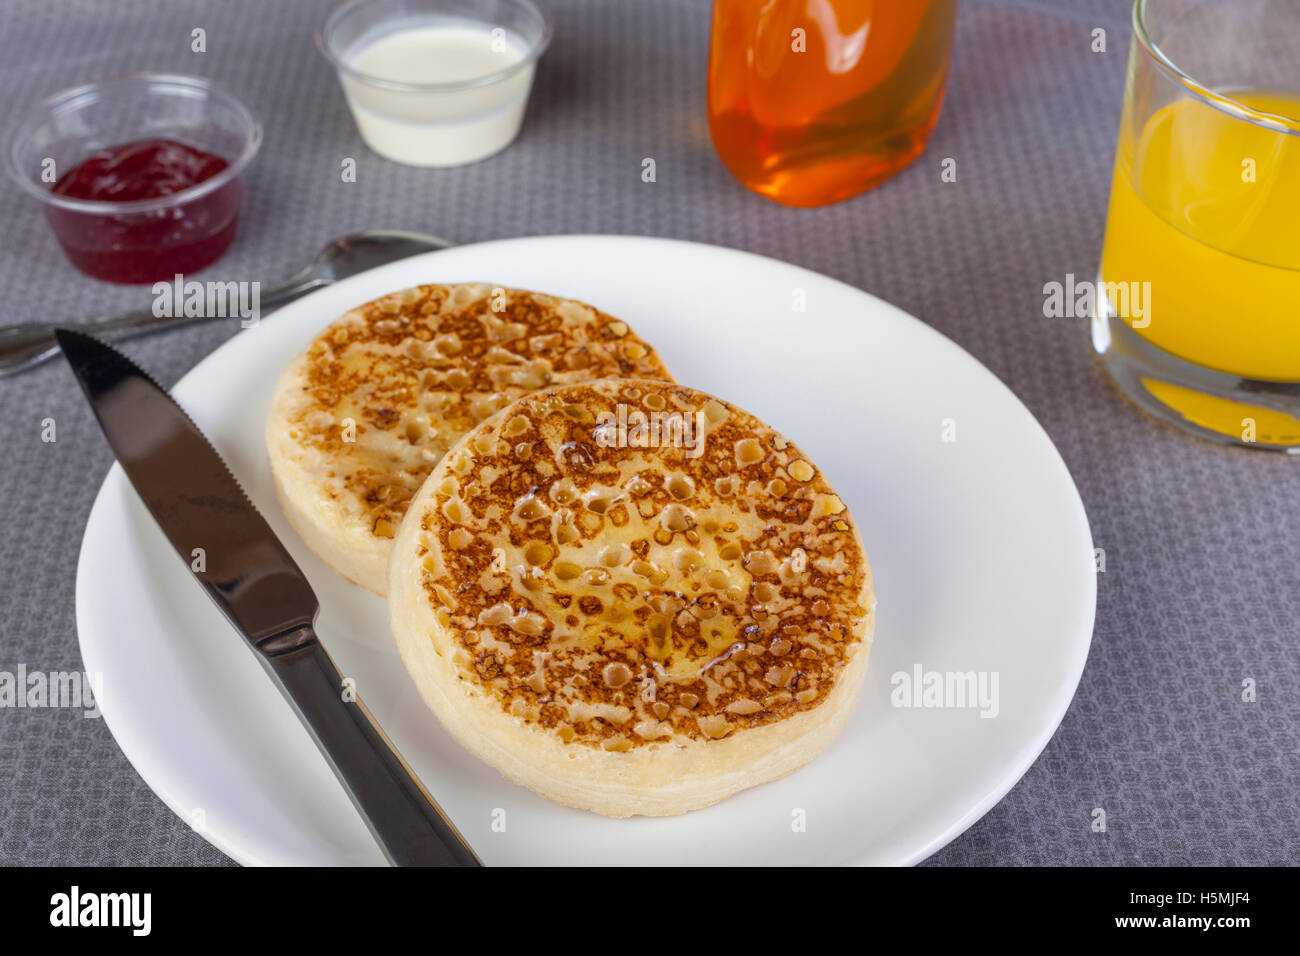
(247, 572)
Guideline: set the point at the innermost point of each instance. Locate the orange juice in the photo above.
(1205, 206)
(812, 101)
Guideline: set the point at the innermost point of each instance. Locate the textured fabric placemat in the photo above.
(1202, 585)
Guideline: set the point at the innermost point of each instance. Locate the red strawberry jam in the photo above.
(152, 244)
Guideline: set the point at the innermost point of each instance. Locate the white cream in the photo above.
(438, 127)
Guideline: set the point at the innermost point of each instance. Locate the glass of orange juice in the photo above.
(813, 101)
(1197, 315)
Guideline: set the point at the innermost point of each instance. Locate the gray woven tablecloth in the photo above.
(1202, 587)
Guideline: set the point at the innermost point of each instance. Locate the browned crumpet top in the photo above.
(618, 594)
(394, 383)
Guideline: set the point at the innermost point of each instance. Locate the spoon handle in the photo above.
(27, 344)
(30, 343)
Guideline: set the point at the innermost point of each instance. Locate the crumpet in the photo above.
(363, 414)
(632, 597)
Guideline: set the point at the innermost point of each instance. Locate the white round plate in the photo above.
(980, 549)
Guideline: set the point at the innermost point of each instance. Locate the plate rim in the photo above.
(153, 771)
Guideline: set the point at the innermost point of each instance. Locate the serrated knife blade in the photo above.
(205, 514)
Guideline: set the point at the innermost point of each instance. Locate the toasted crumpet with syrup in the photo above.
(632, 621)
(363, 414)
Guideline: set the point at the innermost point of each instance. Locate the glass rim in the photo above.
(108, 207)
(339, 61)
(1214, 98)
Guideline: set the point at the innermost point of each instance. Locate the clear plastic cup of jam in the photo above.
(138, 135)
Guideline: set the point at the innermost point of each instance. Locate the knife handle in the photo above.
(410, 827)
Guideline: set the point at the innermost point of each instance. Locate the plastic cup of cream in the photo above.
(436, 82)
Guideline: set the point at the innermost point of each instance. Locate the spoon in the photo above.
(30, 343)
